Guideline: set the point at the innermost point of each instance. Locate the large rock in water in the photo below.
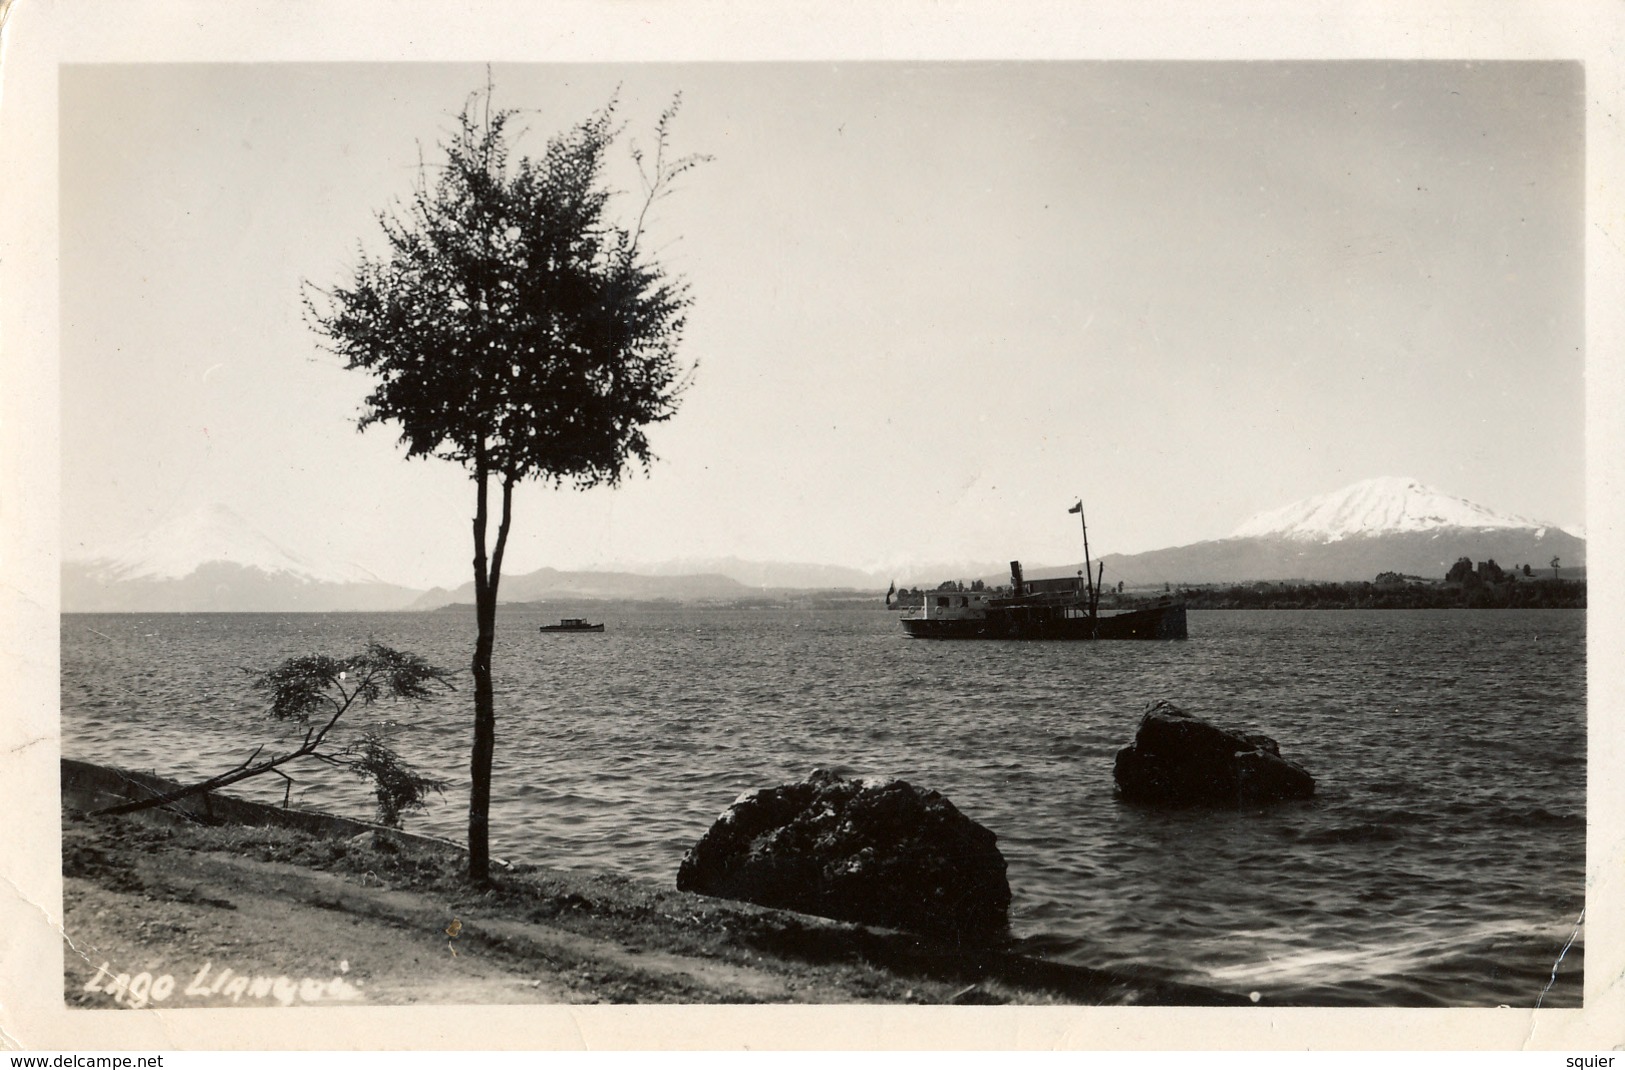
(882, 853)
(1180, 759)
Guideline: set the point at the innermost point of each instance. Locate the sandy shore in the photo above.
(162, 909)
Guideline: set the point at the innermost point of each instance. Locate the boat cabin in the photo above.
(954, 605)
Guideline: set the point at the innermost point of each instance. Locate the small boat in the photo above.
(571, 624)
(1067, 608)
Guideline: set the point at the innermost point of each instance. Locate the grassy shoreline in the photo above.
(383, 917)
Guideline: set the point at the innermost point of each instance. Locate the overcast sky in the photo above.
(934, 303)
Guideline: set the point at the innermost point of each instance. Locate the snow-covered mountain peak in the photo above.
(1375, 507)
(213, 533)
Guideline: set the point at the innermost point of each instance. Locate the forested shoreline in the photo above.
(1537, 594)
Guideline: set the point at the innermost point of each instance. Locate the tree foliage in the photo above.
(512, 326)
(398, 787)
(304, 687)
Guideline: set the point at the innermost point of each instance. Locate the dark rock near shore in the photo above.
(1179, 759)
(879, 853)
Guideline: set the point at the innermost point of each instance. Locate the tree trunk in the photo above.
(487, 579)
(485, 719)
(226, 779)
(485, 742)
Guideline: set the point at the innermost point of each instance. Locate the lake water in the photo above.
(1442, 861)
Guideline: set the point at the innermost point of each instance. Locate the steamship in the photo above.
(1066, 608)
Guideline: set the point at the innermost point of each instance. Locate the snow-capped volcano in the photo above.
(1380, 506)
(211, 560)
(214, 534)
(1379, 525)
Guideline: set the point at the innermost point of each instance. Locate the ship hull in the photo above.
(1157, 622)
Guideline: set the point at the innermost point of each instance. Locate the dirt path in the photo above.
(222, 919)
(207, 922)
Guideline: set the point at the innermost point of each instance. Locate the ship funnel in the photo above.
(1015, 578)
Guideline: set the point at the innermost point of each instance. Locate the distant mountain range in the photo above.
(768, 574)
(1378, 525)
(551, 585)
(211, 560)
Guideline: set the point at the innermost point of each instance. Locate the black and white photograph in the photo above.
(910, 527)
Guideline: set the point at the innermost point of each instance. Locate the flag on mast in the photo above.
(1077, 508)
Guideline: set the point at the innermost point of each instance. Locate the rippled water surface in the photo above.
(1441, 862)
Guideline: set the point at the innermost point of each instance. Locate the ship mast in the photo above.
(1088, 569)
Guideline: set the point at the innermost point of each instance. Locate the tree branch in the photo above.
(232, 776)
(482, 577)
(502, 530)
(405, 675)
